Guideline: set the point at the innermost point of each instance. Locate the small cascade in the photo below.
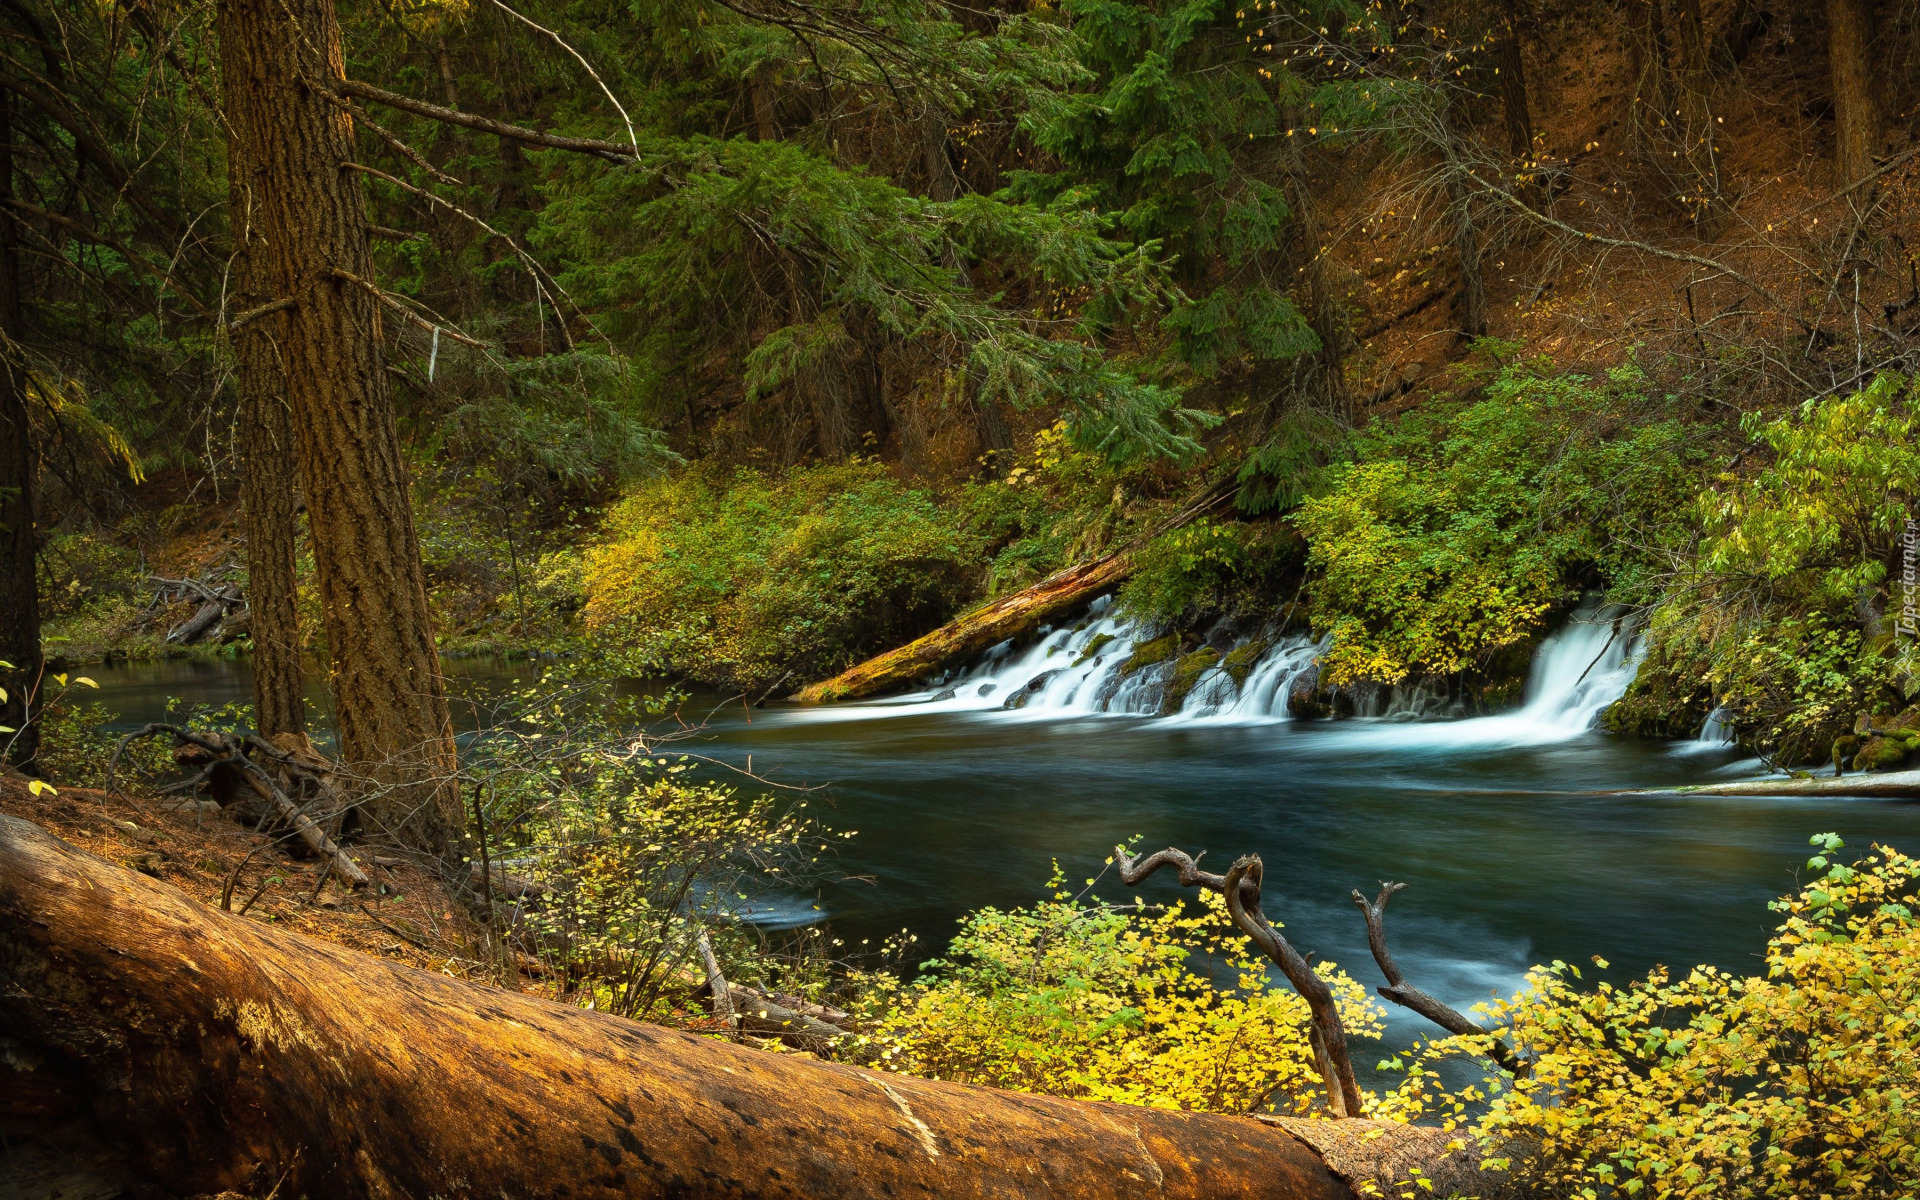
(1579, 671)
(1716, 732)
(1078, 670)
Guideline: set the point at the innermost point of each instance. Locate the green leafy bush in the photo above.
(1208, 567)
(1462, 525)
(1780, 613)
(748, 579)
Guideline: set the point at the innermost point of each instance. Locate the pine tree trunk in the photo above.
(280, 58)
(19, 597)
(1849, 33)
(269, 480)
(210, 1052)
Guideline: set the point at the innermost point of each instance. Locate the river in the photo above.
(1520, 834)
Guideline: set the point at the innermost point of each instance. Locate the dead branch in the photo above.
(1241, 887)
(1407, 996)
(519, 133)
(234, 755)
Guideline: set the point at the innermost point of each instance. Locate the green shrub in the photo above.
(1777, 613)
(1205, 568)
(1461, 525)
(747, 579)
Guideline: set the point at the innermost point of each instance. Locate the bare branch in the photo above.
(519, 133)
(1241, 887)
(1407, 996)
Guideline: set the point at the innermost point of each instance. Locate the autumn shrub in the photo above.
(1159, 1006)
(1802, 1081)
(635, 852)
(1460, 527)
(748, 578)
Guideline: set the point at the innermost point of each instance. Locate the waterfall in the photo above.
(1078, 670)
(1717, 730)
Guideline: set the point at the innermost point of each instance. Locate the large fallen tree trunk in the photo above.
(1010, 616)
(211, 1052)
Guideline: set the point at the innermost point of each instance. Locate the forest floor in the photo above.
(405, 916)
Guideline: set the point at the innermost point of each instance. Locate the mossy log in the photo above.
(196, 1052)
(1010, 616)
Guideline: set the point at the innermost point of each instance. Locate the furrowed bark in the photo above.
(1856, 120)
(218, 1053)
(282, 63)
(269, 475)
(19, 593)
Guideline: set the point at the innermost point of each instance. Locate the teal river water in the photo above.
(1515, 832)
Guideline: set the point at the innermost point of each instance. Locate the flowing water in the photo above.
(1520, 833)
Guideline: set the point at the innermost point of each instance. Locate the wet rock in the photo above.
(986, 689)
(1033, 688)
(1146, 654)
(1305, 700)
(947, 694)
(1239, 661)
(1880, 754)
(1095, 644)
(1187, 672)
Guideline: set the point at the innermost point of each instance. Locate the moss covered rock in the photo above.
(1239, 661)
(1880, 754)
(1095, 645)
(1186, 673)
(1146, 654)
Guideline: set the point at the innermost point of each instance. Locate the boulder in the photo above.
(1880, 754)
(1305, 700)
(1032, 688)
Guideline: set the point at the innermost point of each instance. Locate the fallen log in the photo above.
(1010, 616)
(213, 1053)
(1896, 785)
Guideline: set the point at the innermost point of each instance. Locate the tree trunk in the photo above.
(1857, 132)
(211, 1053)
(389, 697)
(19, 594)
(269, 479)
(1513, 85)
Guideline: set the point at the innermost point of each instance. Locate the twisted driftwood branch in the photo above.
(1241, 887)
(1406, 995)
